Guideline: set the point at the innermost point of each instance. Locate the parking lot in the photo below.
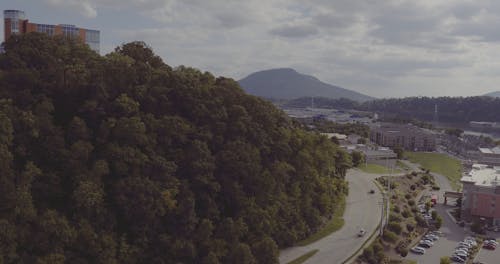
(445, 246)
(488, 256)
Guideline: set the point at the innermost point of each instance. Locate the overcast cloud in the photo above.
(380, 48)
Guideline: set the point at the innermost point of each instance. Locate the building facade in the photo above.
(481, 194)
(408, 137)
(15, 22)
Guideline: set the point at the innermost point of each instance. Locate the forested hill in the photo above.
(450, 109)
(123, 159)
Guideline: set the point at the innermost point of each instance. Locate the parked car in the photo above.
(436, 233)
(462, 248)
(462, 252)
(490, 241)
(361, 232)
(465, 244)
(424, 245)
(418, 250)
(457, 259)
(489, 246)
(372, 191)
(472, 243)
(431, 237)
(427, 241)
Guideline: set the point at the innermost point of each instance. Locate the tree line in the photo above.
(450, 109)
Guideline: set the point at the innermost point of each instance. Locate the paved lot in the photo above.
(488, 256)
(362, 211)
(445, 246)
(452, 233)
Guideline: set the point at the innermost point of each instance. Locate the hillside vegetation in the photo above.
(123, 159)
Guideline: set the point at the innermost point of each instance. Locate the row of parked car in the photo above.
(463, 250)
(490, 243)
(426, 242)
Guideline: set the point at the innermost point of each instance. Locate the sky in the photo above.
(379, 48)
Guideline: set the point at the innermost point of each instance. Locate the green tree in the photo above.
(445, 260)
(357, 158)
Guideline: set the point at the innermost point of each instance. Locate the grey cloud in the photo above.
(486, 31)
(294, 31)
(334, 21)
(231, 19)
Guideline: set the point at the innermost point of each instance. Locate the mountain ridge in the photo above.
(287, 83)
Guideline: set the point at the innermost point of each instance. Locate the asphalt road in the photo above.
(363, 210)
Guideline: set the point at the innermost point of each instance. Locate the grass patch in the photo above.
(333, 225)
(439, 163)
(402, 165)
(304, 257)
(374, 168)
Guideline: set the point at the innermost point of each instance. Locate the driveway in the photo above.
(363, 210)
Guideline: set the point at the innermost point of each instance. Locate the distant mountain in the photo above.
(286, 83)
(493, 94)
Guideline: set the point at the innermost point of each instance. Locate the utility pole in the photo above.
(382, 215)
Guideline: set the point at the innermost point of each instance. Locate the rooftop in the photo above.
(495, 150)
(483, 175)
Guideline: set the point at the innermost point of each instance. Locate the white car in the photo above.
(361, 232)
(461, 251)
(427, 241)
(458, 259)
(465, 244)
(431, 237)
(418, 250)
(466, 249)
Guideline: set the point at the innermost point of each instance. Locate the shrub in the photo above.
(436, 188)
(395, 227)
(414, 209)
(396, 209)
(434, 215)
(408, 196)
(439, 222)
(410, 227)
(420, 221)
(406, 213)
(377, 247)
(394, 218)
(414, 173)
(411, 202)
(368, 253)
(390, 236)
(403, 252)
(413, 187)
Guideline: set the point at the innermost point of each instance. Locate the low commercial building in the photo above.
(408, 137)
(481, 193)
(489, 156)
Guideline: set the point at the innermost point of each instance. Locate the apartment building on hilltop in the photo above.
(15, 22)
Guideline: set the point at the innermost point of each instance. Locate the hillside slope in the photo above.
(122, 159)
(286, 83)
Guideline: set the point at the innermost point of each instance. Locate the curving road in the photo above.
(363, 210)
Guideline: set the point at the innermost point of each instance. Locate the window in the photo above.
(47, 29)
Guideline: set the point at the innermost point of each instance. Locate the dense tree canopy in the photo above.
(450, 109)
(123, 159)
